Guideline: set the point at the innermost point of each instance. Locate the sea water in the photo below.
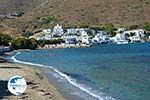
(102, 72)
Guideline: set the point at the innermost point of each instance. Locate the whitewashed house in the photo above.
(70, 38)
(47, 34)
(58, 31)
(47, 31)
(123, 36)
(135, 35)
(120, 39)
(40, 38)
(101, 37)
(77, 31)
(84, 37)
(121, 30)
(71, 31)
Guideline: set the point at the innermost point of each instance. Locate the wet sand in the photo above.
(39, 88)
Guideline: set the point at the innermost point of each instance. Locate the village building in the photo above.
(84, 37)
(58, 31)
(77, 31)
(101, 37)
(70, 38)
(135, 35)
(124, 36)
(120, 39)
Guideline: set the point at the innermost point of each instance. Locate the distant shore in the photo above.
(59, 46)
(39, 87)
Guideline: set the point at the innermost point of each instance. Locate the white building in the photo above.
(47, 34)
(101, 37)
(135, 35)
(77, 31)
(120, 30)
(120, 39)
(84, 37)
(70, 38)
(58, 31)
(123, 36)
(71, 31)
(47, 31)
(40, 38)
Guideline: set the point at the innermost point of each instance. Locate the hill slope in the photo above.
(96, 12)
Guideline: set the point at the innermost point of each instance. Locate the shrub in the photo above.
(24, 43)
(147, 26)
(83, 25)
(109, 28)
(27, 34)
(5, 39)
(53, 41)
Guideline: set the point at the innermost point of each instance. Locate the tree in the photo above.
(24, 43)
(52, 41)
(5, 39)
(33, 44)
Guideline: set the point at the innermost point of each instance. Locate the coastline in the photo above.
(61, 46)
(39, 87)
(69, 88)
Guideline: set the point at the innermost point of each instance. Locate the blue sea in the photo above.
(101, 72)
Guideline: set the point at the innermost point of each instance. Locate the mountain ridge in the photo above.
(92, 12)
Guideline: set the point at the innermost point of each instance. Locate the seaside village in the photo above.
(84, 37)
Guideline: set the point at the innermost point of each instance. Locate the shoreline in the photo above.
(38, 86)
(84, 90)
(63, 46)
(43, 69)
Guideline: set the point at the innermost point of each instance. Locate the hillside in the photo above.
(93, 12)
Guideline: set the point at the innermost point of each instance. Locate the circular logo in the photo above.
(17, 85)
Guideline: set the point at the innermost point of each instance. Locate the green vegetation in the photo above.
(27, 34)
(50, 21)
(5, 39)
(110, 28)
(83, 25)
(54, 41)
(95, 27)
(147, 26)
(24, 43)
(69, 26)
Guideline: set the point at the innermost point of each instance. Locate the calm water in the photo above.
(118, 71)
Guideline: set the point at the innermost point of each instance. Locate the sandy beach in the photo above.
(39, 88)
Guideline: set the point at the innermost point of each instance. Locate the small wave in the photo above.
(68, 78)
